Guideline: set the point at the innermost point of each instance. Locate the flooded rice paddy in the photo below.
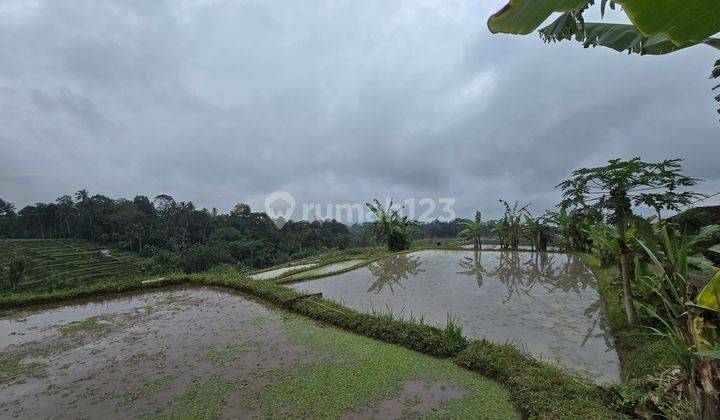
(544, 302)
(207, 353)
(330, 268)
(271, 274)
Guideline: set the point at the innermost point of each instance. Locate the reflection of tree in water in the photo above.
(472, 267)
(391, 270)
(540, 269)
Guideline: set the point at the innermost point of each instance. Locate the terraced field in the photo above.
(69, 262)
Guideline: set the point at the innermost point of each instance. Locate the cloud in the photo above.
(226, 101)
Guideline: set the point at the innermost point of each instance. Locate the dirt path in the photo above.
(204, 353)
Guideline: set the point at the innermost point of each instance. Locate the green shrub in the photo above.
(19, 264)
(199, 258)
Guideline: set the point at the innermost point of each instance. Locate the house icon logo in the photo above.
(279, 206)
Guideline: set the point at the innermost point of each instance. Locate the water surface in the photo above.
(330, 268)
(544, 302)
(271, 274)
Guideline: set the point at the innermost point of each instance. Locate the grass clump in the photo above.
(538, 389)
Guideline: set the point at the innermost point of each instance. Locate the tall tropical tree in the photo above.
(65, 211)
(7, 217)
(620, 185)
(473, 230)
(86, 208)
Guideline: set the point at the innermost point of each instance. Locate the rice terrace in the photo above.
(400, 210)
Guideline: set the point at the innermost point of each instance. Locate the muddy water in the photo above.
(544, 302)
(330, 268)
(266, 275)
(206, 353)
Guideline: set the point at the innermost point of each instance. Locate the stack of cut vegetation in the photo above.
(66, 262)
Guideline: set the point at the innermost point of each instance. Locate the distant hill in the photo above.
(69, 262)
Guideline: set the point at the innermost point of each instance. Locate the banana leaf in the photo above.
(524, 16)
(658, 26)
(684, 22)
(708, 296)
(619, 37)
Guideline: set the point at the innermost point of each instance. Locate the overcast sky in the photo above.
(220, 102)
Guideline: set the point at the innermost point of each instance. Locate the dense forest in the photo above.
(177, 233)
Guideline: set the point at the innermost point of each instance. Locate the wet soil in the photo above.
(209, 353)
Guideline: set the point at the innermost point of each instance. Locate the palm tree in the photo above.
(86, 206)
(473, 230)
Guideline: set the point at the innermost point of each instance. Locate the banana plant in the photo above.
(605, 243)
(657, 26)
(473, 230)
(688, 317)
(391, 226)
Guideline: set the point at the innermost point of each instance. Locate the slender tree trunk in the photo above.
(625, 261)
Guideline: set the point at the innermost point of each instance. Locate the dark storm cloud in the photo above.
(226, 101)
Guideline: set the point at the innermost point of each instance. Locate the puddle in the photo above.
(267, 275)
(544, 302)
(330, 268)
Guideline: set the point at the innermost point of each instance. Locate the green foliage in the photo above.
(658, 27)
(200, 258)
(68, 262)
(510, 228)
(391, 226)
(537, 230)
(538, 390)
(691, 330)
(473, 230)
(18, 265)
(573, 226)
(620, 184)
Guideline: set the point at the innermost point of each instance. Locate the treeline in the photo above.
(162, 225)
(176, 233)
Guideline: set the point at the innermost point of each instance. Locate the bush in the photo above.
(160, 261)
(199, 258)
(18, 265)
